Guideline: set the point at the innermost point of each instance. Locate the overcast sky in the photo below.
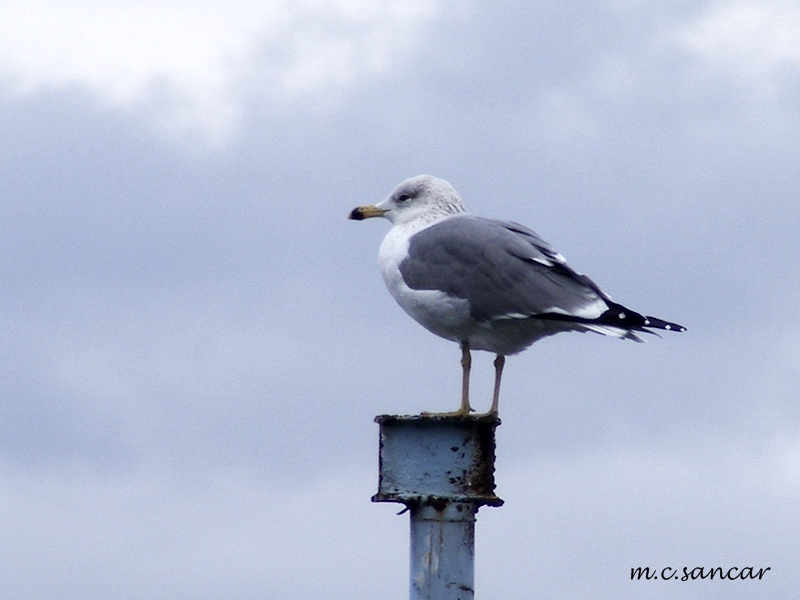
(194, 339)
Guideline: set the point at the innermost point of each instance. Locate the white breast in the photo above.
(441, 314)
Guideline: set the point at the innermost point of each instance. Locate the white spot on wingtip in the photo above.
(622, 315)
(647, 321)
(667, 327)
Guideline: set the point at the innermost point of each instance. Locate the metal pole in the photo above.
(443, 551)
(442, 469)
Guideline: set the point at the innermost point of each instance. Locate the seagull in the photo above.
(486, 284)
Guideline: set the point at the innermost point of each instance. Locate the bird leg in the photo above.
(465, 408)
(499, 363)
(466, 364)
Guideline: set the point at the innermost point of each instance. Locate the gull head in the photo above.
(424, 197)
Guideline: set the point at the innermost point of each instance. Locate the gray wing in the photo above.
(504, 270)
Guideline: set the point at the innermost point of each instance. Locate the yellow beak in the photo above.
(367, 212)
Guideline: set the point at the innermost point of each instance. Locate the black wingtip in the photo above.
(657, 323)
(620, 318)
(625, 318)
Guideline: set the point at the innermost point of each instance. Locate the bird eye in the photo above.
(403, 197)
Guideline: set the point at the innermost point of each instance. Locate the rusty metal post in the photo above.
(442, 469)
